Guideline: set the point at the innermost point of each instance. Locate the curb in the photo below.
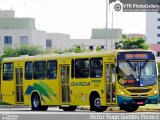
(14, 106)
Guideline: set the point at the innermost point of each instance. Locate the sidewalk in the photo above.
(14, 106)
(154, 107)
(149, 107)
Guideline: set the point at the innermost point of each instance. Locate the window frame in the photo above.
(96, 68)
(8, 40)
(28, 70)
(56, 64)
(40, 72)
(91, 47)
(24, 40)
(48, 43)
(73, 68)
(82, 70)
(11, 72)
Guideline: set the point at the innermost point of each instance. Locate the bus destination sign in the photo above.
(147, 55)
(136, 56)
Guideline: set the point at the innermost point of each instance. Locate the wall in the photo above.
(35, 37)
(151, 27)
(17, 23)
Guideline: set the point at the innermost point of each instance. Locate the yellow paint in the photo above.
(79, 95)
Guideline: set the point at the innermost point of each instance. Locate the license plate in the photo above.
(140, 103)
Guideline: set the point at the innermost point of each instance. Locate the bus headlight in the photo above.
(155, 92)
(121, 92)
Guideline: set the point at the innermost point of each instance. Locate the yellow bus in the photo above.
(97, 79)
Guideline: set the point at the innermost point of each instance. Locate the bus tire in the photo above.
(70, 108)
(130, 108)
(36, 102)
(95, 102)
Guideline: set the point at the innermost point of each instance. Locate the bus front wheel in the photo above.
(95, 104)
(130, 108)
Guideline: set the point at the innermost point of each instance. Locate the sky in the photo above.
(74, 17)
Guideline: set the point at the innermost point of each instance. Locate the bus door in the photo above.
(110, 83)
(19, 85)
(65, 73)
(7, 85)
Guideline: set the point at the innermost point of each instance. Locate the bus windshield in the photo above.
(137, 73)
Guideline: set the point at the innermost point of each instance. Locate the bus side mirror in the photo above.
(117, 69)
(158, 73)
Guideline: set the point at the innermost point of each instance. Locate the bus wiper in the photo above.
(141, 67)
(132, 66)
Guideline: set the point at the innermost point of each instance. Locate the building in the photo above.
(15, 32)
(98, 38)
(109, 36)
(56, 41)
(153, 27)
(18, 31)
(155, 48)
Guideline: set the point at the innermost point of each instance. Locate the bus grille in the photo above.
(139, 99)
(138, 90)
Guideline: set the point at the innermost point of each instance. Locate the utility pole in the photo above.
(107, 3)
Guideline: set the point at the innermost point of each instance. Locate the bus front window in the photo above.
(137, 73)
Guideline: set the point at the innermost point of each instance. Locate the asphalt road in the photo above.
(54, 113)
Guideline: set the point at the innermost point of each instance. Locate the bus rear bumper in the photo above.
(137, 101)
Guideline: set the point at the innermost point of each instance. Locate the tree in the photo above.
(23, 50)
(98, 48)
(132, 43)
(76, 49)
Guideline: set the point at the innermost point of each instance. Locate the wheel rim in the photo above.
(97, 102)
(36, 102)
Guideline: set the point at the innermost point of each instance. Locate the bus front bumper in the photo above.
(137, 101)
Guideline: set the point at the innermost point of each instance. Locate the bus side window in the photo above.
(113, 72)
(72, 72)
(107, 73)
(28, 70)
(39, 70)
(52, 69)
(8, 71)
(96, 67)
(82, 68)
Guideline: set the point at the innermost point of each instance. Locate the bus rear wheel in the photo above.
(95, 104)
(130, 108)
(36, 103)
(70, 108)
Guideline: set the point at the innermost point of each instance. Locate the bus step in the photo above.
(64, 105)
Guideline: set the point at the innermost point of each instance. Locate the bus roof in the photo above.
(69, 55)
